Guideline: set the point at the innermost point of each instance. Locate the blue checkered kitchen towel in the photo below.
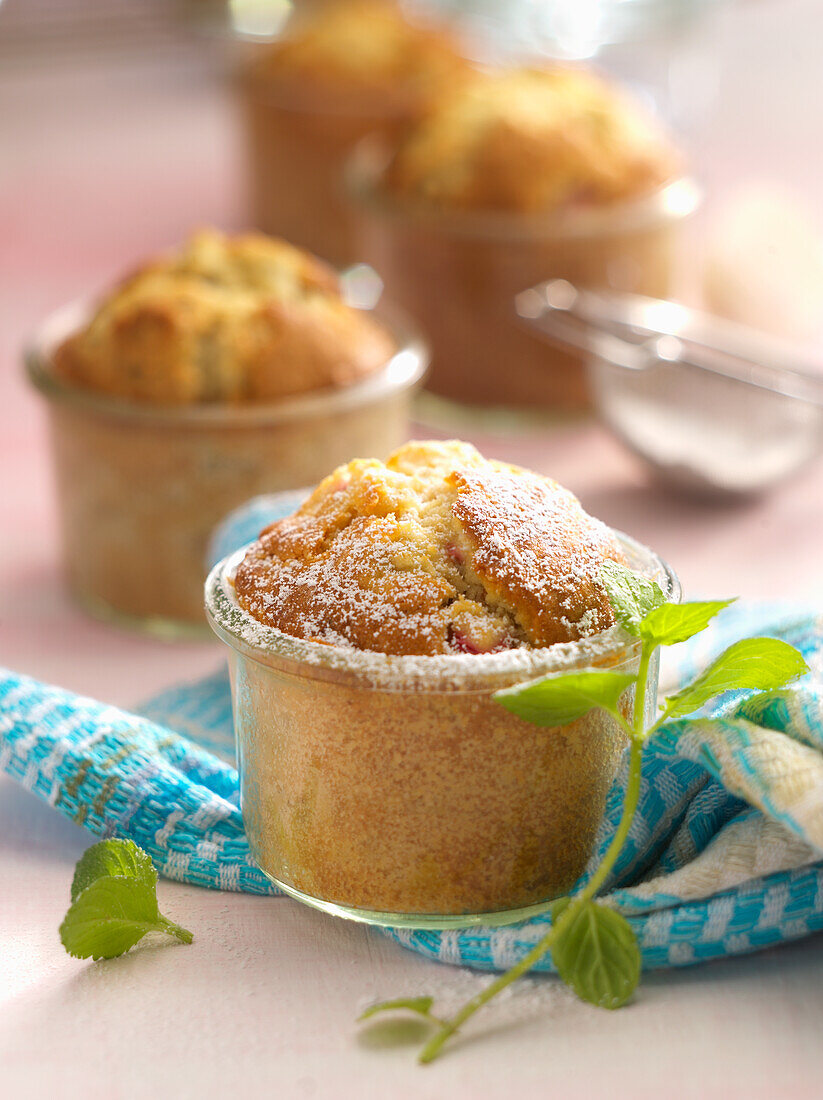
(725, 855)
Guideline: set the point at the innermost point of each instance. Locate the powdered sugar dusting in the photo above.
(447, 672)
(435, 552)
(537, 551)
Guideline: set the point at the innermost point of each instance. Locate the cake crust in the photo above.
(530, 140)
(226, 319)
(437, 551)
(352, 50)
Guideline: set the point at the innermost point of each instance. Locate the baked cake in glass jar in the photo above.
(340, 70)
(367, 634)
(229, 368)
(509, 178)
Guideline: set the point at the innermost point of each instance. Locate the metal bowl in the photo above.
(708, 404)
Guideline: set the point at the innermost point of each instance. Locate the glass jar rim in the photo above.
(461, 672)
(676, 199)
(404, 370)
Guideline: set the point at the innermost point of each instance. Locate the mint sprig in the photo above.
(421, 1005)
(597, 955)
(114, 902)
(761, 663)
(116, 858)
(632, 597)
(559, 699)
(593, 947)
(677, 622)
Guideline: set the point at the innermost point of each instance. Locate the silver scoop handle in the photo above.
(637, 333)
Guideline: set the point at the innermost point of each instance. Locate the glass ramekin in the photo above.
(140, 488)
(457, 273)
(297, 142)
(396, 791)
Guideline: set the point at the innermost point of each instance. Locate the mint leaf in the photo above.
(421, 1005)
(109, 917)
(632, 597)
(112, 857)
(114, 903)
(760, 663)
(677, 622)
(558, 699)
(596, 953)
(593, 947)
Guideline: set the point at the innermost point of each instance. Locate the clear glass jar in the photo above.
(395, 790)
(665, 50)
(140, 488)
(457, 273)
(297, 141)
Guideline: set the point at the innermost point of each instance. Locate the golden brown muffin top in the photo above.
(359, 48)
(226, 319)
(530, 141)
(437, 551)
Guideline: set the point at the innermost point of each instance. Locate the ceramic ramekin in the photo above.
(396, 790)
(140, 488)
(457, 273)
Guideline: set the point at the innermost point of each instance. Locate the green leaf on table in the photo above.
(114, 903)
(109, 917)
(677, 622)
(420, 1005)
(632, 597)
(560, 698)
(760, 663)
(596, 953)
(112, 857)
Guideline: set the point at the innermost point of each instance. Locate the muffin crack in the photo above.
(225, 319)
(437, 551)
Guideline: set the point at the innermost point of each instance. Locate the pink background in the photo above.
(98, 168)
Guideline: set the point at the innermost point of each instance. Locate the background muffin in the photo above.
(510, 178)
(529, 140)
(341, 70)
(359, 48)
(437, 551)
(226, 319)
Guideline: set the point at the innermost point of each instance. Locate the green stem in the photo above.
(621, 721)
(632, 795)
(639, 716)
(175, 930)
(433, 1047)
(630, 800)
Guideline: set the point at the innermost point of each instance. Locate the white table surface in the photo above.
(96, 170)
